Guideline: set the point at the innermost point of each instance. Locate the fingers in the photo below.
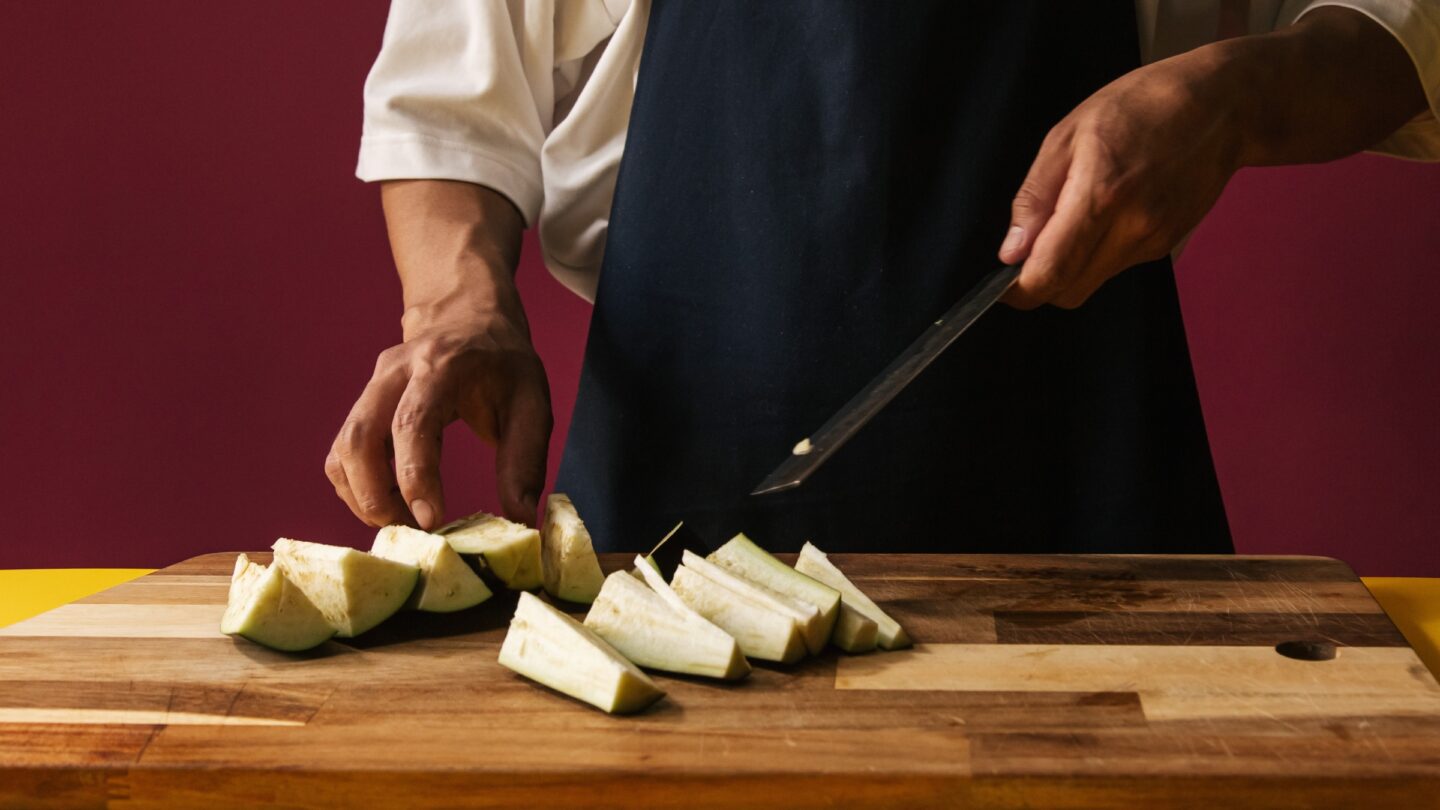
(1063, 248)
(1131, 237)
(418, 427)
(335, 471)
(363, 455)
(1111, 254)
(491, 379)
(1035, 201)
(522, 450)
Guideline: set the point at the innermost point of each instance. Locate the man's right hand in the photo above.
(466, 355)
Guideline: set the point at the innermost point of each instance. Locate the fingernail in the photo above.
(424, 513)
(1013, 239)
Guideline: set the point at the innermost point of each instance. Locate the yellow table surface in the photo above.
(1414, 605)
(1412, 602)
(27, 592)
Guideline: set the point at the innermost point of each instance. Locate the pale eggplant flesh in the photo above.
(268, 609)
(814, 562)
(742, 557)
(447, 583)
(549, 647)
(572, 571)
(647, 628)
(355, 591)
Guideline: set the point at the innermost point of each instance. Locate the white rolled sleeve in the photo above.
(1416, 25)
(467, 89)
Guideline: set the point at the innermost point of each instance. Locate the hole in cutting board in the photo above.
(1307, 650)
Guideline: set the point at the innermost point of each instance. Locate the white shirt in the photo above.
(532, 97)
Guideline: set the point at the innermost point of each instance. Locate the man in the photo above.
(804, 187)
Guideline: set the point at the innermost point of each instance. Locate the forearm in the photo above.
(456, 246)
(466, 355)
(1332, 84)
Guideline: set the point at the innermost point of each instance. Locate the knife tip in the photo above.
(767, 487)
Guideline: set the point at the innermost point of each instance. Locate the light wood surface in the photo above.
(1036, 681)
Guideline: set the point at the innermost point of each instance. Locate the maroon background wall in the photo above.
(195, 288)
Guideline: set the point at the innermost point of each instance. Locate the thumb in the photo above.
(1034, 202)
(521, 452)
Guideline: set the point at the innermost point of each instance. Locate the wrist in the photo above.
(1233, 88)
(1254, 69)
(1329, 85)
(456, 248)
(469, 298)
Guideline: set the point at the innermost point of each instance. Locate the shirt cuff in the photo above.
(1416, 26)
(425, 157)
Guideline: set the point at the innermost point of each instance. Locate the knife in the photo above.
(811, 452)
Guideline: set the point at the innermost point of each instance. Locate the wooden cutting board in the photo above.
(1046, 681)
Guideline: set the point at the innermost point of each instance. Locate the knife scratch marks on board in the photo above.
(235, 698)
(321, 704)
(1271, 716)
(145, 746)
(1382, 745)
(1225, 746)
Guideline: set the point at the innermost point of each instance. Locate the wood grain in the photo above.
(1185, 669)
(1048, 681)
(163, 620)
(1221, 629)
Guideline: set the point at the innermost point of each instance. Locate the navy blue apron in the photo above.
(805, 187)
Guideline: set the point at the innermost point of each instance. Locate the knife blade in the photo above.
(810, 453)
